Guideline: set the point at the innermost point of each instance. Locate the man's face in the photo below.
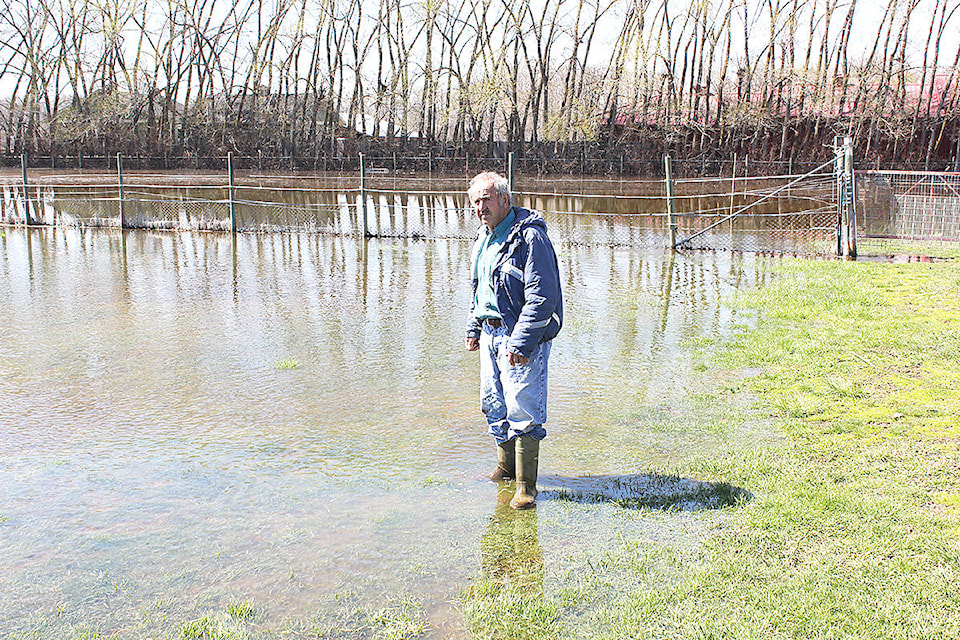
(490, 206)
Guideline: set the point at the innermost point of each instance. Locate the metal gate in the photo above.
(908, 212)
(812, 213)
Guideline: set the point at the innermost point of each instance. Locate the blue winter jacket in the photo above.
(526, 281)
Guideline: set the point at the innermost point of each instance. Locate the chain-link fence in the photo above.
(908, 212)
(549, 159)
(897, 212)
(770, 214)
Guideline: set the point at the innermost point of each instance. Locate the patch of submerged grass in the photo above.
(285, 365)
(201, 628)
(241, 610)
(229, 625)
(398, 618)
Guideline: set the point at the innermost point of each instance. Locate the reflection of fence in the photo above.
(908, 211)
(772, 213)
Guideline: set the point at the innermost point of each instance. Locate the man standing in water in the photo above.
(517, 310)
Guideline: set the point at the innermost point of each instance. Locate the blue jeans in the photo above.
(513, 398)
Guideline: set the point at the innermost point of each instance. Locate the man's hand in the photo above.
(473, 344)
(516, 358)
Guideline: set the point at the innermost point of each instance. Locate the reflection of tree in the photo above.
(507, 600)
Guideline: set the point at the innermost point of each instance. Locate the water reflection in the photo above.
(195, 418)
(508, 596)
(798, 220)
(510, 551)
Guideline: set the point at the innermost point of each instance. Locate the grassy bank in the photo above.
(854, 532)
(854, 526)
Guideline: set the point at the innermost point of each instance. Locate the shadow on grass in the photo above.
(643, 491)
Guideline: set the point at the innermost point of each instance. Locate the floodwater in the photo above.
(196, 420)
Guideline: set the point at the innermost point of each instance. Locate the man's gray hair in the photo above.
(497, 181)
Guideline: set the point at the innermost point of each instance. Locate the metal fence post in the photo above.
(120, 186)
(26, 191)
(671, 219)
(510, 173)
(363, 199)
(838, 192)
(843, 211)
(733, 190)
(233, 210)
(850, 202)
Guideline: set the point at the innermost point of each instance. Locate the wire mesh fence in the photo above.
(897, 212)
(795, 214)
(789, 214)
(549, 159)
(908, 212)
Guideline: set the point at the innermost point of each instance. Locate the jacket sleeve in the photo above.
(541, 293)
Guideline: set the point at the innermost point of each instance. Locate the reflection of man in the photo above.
(510, 552)
(508, 594)
(517, 310)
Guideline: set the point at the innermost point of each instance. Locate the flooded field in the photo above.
(289, 421)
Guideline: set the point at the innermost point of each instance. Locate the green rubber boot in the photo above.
(506, 462)
(528, 457)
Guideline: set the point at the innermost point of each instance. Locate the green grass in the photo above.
(284, 365)
(241, 611)
(232, 624)
(854, 526)
(889, 247)
(853, 530)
